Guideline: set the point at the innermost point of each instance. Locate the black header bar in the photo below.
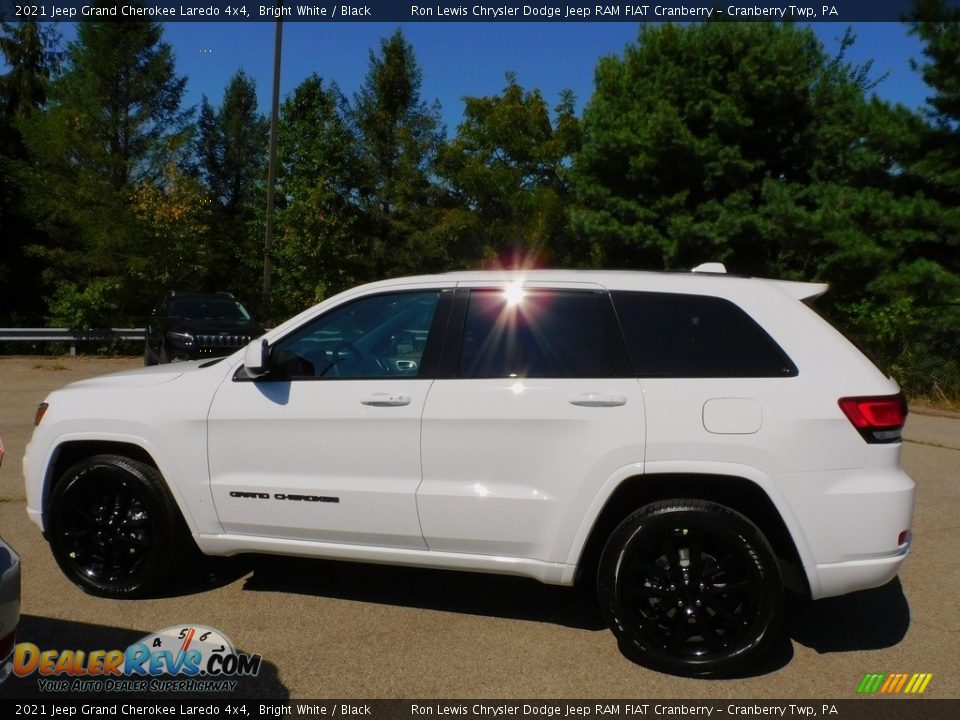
(320, 11)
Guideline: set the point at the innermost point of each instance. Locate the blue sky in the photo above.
(461, 59)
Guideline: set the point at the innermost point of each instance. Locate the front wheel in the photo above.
(690, 587)
(113, 528)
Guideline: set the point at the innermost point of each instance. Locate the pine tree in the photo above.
(318, 248)
(400, 137)
(31, 52)
(231, 149)
(114, 125)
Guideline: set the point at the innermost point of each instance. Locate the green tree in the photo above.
(318, 247)
(937, 164)
(114, 124)
(685, 132)
(31, 52)
(930, 278)
(507, 172)
(746, 143)
(400, 136)
(231, 148)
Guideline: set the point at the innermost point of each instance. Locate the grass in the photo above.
(938, 401)
(55, 365)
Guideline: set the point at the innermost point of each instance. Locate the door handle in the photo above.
(590, 399)
(386, 400)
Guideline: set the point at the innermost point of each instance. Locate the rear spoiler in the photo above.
(801, 290)
(795, 289)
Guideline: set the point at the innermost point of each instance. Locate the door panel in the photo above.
(318, 440)
(509, 465)
(326, 447)
(540, 412)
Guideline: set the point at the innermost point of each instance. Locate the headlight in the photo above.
(41, 411)
(182, 339)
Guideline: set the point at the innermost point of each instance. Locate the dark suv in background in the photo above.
(190, 326)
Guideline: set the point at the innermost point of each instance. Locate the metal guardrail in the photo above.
(74, 337)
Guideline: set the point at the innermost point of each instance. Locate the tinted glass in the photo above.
(382, 336)
(212, 308)
(552, 333)
(671, 335)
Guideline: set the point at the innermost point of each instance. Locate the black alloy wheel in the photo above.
(691, 587)
(113, 528)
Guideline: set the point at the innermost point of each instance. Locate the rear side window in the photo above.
(542, 333)
(675, 335)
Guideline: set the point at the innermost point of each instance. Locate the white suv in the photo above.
(690, 442)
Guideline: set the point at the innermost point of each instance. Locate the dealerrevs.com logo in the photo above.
(186, 658)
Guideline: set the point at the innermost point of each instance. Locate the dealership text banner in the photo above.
(319, 11)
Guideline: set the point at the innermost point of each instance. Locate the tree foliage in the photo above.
(319, 245)
(507, 173)
(400, 137)
(32, 54)
(231, 151)
(112, 125)
(746, 143)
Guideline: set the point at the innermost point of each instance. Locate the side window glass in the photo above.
(678, 335)
(382, 336)
(539, 333)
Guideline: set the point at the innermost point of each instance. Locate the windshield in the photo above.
(213, 308)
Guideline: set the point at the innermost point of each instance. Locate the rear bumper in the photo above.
(846, 577)
(853, 523)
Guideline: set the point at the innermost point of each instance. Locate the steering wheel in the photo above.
(341, 351)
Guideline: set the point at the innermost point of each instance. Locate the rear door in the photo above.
(534, 408)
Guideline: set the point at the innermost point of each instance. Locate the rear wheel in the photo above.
(690, 587)
(113, 528)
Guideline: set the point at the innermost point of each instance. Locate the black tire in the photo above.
(113, 527)
(690, 587)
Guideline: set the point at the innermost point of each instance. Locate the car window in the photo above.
(680, 335)
(375, 337)
(541, 333)
(207, 309)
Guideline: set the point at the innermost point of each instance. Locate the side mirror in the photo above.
(256, 357)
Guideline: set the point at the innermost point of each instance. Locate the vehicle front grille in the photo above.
(223, 341)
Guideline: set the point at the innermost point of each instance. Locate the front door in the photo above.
(326, 447)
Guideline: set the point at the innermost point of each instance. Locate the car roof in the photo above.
(650, 280)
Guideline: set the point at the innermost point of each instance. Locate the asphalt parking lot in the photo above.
(328, 630)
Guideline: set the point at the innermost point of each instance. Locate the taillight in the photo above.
(879, 419)
(41, 409)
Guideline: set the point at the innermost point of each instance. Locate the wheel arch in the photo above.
(733, 490)
(70, 452)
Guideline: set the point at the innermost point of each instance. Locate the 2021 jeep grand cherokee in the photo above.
(694, 442)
